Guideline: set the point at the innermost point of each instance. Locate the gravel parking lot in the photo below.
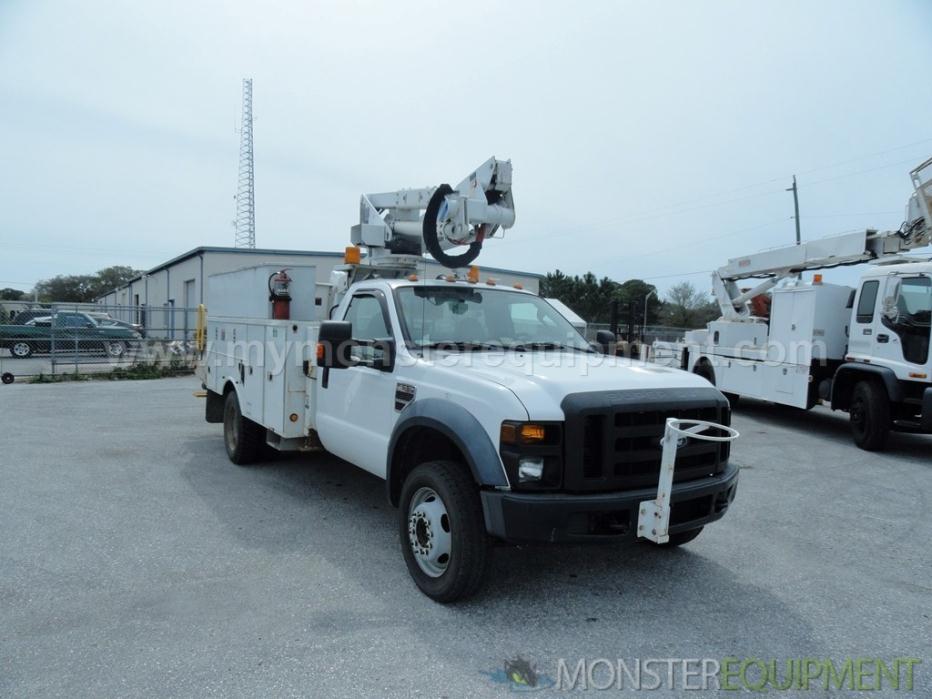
(136, 560)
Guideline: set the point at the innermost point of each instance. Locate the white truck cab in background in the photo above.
(798, 343)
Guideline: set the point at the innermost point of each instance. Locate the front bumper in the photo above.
(926, 424)
(560, 517)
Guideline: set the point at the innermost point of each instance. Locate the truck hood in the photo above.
(541, 380)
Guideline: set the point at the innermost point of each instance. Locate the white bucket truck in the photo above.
(488, 415)
(799, 343)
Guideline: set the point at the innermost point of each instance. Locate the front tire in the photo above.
(243, 437)
(115, 349)
(869, 416)
(21, 349)
(442, 531)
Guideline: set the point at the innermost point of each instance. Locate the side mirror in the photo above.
(383, 354)
(334, 343)
(605, 339)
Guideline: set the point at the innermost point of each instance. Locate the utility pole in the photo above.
(795, 207)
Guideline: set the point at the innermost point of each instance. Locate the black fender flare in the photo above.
(845, 378)
(459, 426)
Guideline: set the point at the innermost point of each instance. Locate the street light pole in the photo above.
(644, 324)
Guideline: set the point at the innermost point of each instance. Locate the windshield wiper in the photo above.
(461, 345)
(527, 346)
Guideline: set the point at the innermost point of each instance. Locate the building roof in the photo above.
(241, 251)
(272, 251)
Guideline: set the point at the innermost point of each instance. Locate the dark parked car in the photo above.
(66, 330)
(104, 320)
(24, 317)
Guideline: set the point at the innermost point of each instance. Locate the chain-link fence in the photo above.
(646, 335)
(73, 340)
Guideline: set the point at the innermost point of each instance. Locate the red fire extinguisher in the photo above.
(279, 296)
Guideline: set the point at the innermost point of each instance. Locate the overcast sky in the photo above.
(650, 139)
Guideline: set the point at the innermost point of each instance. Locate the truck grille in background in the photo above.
(615, 444)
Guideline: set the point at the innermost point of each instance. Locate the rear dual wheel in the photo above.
(242, 437)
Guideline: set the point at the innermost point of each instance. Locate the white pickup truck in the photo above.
(486, 412)
(488, 415)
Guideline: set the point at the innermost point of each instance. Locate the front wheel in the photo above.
(115, 348)
(442, 531)
(21, 349)
(869, 416)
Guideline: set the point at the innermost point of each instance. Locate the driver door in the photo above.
(356, 409)
(901, 340)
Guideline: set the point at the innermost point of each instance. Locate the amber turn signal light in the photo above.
(525, 433)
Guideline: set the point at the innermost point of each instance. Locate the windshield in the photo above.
(474, 318)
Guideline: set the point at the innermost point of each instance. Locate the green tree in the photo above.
(9, 294)
(587, 295)
(632, 294)
(592, 298)
(71, 287)
(84, 287)
(111, 278)
(686, 307)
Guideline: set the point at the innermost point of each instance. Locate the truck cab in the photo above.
(885, 380)
(486, 413)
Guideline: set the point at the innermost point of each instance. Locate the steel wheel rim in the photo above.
(115, 348)
(857, 414)
(21, 349)
(429, 532)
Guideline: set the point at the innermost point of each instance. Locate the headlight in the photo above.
(530, 470)
(532, 453)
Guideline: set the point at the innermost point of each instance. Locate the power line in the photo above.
(861, 172)
(853, 213)
(687, 206)
(682, 274)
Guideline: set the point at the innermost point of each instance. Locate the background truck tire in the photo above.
(869, 415)
(243, 437)
(440, 513)
(704, 369)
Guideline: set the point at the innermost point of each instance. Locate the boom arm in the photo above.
(851, 248)
(393, 222)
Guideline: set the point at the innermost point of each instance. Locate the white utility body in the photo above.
(797, 343)
(486, 412)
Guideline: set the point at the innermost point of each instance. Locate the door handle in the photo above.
(883, 337)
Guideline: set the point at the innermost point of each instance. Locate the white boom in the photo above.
(851, 248)
(408, 221)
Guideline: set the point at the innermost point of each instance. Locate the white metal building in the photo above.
(180, 282)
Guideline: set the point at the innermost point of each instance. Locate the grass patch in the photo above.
(136, 372)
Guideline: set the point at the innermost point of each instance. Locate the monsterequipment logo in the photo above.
(699, 674)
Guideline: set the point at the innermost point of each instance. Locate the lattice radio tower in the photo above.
(245, 223)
